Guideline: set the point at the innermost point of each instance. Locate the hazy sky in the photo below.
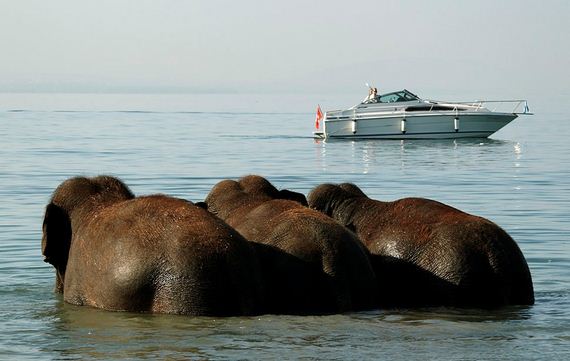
(296, 46)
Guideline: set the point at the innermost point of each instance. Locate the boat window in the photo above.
(432, 107)
(409, 96)
(395, 97)
(389, 98)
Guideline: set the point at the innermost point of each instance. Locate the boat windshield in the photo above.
(395, 97)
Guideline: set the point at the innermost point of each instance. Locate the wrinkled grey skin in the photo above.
(153, 254)
(311, 264)
(426, 253)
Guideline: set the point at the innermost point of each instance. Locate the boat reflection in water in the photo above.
(397, 156)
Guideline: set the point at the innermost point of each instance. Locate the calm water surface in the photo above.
(183, 144)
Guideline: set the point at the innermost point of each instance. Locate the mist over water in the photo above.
(182, 145)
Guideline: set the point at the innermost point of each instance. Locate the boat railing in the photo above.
(516, 106)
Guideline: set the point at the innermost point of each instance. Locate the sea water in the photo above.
(182, 145)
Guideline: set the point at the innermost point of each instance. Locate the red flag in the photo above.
(319, 116)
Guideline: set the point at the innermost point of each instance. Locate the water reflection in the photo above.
(88, 333)
(429, 315)
(364, 155)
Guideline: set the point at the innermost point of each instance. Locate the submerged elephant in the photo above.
(310, 263)
(146, 254)
(426, 253)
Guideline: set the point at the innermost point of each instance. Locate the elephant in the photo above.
(426, 253)
(153, 254)
(311, 264)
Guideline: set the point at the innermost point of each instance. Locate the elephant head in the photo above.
(249, 191)
(257, 185)
(71, 201)
(336, 201)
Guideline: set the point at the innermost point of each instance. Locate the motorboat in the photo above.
(404, 115)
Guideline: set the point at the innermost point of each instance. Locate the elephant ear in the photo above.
(56, 239)
(293, 196)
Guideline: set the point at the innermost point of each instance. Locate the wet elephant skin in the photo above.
(155, 254)
(426, 253)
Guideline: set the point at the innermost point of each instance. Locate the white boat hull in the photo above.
(431, 125)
